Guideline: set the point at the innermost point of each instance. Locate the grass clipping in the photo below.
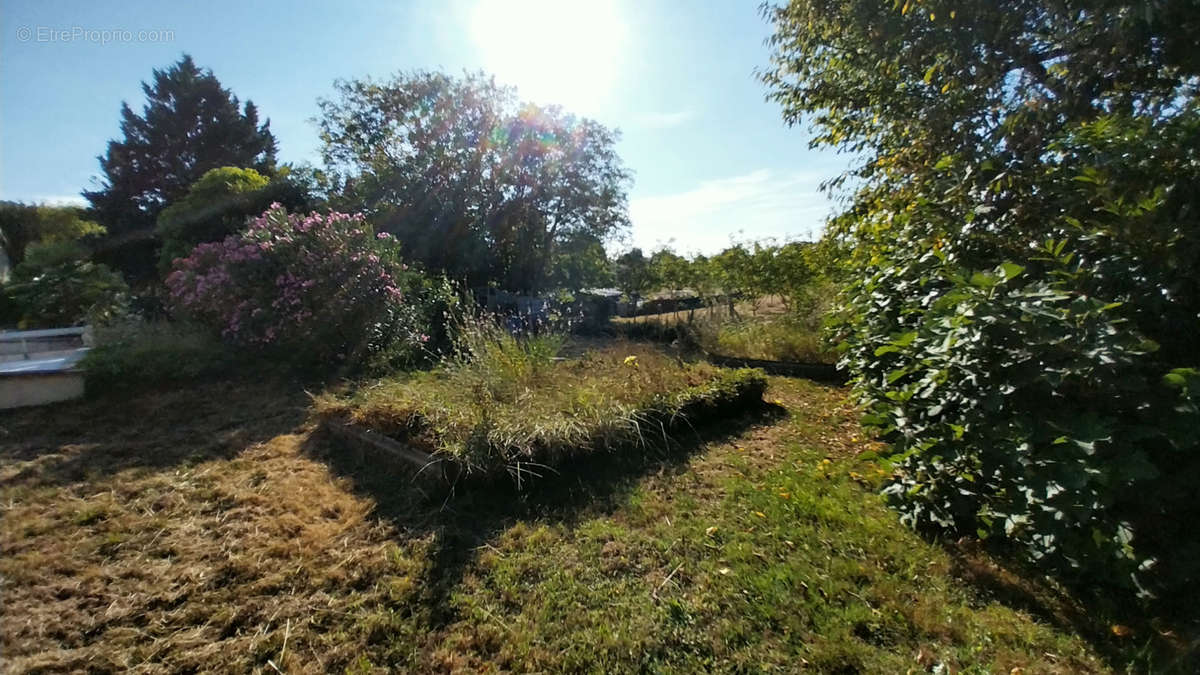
(509, 406)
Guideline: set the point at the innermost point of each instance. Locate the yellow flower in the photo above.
(1121, 631)
(631, 360)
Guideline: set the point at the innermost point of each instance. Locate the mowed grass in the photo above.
(212, 530)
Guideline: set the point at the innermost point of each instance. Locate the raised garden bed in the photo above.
(521, 419)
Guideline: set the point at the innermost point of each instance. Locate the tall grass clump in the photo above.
(507, 405)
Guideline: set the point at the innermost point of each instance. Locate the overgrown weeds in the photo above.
(773, 334)
(503, 404)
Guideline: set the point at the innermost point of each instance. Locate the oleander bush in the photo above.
(315, 289)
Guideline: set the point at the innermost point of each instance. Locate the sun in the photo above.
(566, 52)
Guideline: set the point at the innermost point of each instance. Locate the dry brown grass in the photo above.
(182, 532)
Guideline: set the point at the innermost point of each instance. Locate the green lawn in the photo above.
(195, 531)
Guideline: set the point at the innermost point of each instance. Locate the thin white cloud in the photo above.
(752, 206)
(664, 120)
(50, 200)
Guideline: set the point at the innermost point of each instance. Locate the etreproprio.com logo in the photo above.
(102, 36)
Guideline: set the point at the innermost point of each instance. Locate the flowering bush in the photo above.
(316, 288)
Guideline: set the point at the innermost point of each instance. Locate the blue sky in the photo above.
(711, 158)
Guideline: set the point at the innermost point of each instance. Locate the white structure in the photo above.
(41, 366)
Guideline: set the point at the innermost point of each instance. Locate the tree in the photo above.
(59, 291)
(471, 181)
(735, 273)
(633, 273)
(22, 225)
(220, 204)
(1019, 248)
(580, 262)
(669, 269)
(189, 125)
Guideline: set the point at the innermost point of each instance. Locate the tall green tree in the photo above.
(633, 273)
(23, 225)
(472, 181)
(189, 125)
(580, 262)
(1020, 245)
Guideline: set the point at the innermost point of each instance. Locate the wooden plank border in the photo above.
(424, 465)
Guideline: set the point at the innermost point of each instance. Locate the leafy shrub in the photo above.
(310, 289)
(54, 292)
(1022, 409)
(139, 354)
(1026, 402)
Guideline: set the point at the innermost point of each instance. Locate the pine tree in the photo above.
(190, 124)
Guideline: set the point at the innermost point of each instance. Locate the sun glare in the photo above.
(555, 51)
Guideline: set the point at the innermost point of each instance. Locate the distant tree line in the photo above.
(750, 271)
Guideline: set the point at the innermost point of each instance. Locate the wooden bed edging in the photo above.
(821, 372)
(425, 466)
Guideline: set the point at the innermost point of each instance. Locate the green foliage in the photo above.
(1022, 410)
(313, 290)
(137, 354)
(189, 125)
(633, 273)
(23, 225)
(472, 181)
(220, 204)
(1025, 403)
(505, 405)
(751, 271)
(580, 262)
(57, 286)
